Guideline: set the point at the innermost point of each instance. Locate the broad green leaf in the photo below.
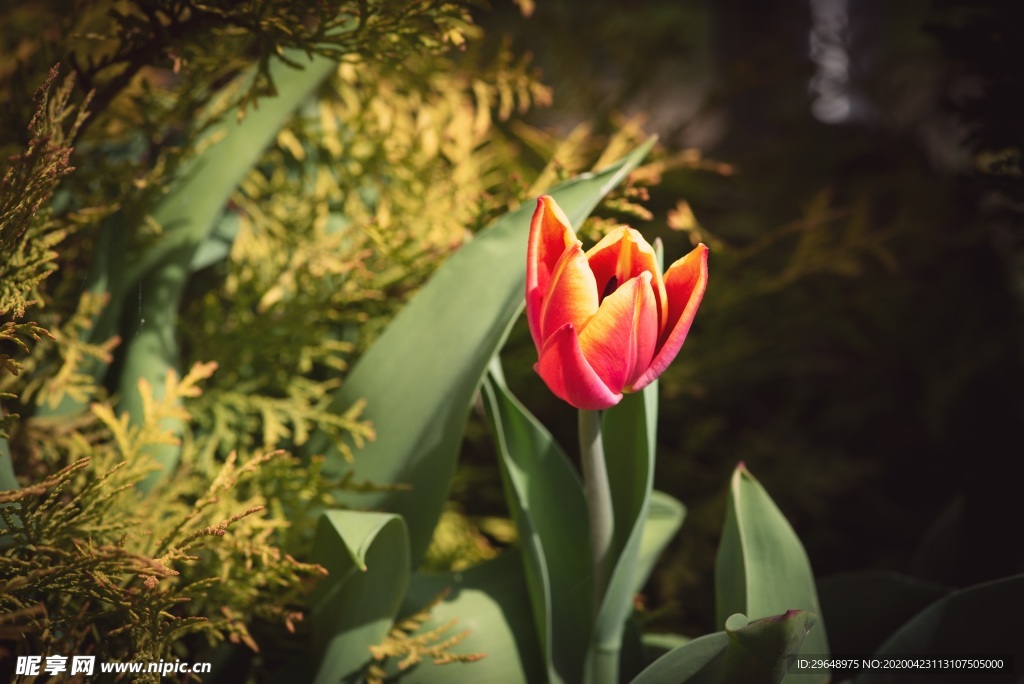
(698, 661)
(756, 652)
(762, 569)
(217, 246)
(367, 558)
(195, 200)
(189, 213)
(939, 551)
(8, 480)
(629, 432)
(545, 496)
(489, 602)
(105, 278)
(759, 651)
(664, 518)
(657, 644)
(420, 376)
(977, 621)
(864, 608)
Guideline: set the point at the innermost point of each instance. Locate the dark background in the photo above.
(859, 344)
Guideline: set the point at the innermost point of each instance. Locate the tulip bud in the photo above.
(605, 321)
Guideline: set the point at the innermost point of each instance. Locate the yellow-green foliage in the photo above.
(364, 192)
(458, 543)
(88, 566)
(406, 643)
(359, 199)
(28, 232)
(54, 372)
(27, 235)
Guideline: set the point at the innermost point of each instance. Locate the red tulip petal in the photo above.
(620, 339)
(572, 294)
(623, 254)
(550, 235)
(567, 374)
(685, 281)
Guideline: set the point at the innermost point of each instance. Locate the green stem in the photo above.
(599, 500)
(603, 667)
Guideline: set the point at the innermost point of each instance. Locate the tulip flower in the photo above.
(605, 321)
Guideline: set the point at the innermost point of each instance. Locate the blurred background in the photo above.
(859, 345)
(854, 166)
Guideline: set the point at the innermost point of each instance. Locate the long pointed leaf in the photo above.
(188, 213)
(698, 661)
(977, 621)
(760, 651)
(664, 518)
(864, 608)
(546, 498)
(419, 378)
(762, 568)
(367, 558)
(195, 199)
(8, 480)
(757, 651)
(487, 601)
(629, 435)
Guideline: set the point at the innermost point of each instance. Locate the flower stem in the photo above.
(603, 665)
(599, 501)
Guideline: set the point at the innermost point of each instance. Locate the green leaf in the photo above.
(664, 518)
(217, 246)
(976, 621)
(864, 608)
(698, 661)
(421, 375)
(657, 644)
(939, 551)
(759, 651)
(367, 559)
(105, 278)
(8, 480)
(546, 499)
(191, 209)
(629, 434)
(762, 569)
(746, 651)
(488, 602)
(189, 213)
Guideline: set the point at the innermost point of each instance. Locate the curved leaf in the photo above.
(189, 213)
(487, 601)
(746, 651)
(629, 432)
(939, 551)
(864, 608)
(762, 568)
(664, 518)
(367, 560)
(546, 498)
(420, 376)
(698, 661)
(759, 651)
(976, 621)
(8, 480)
(657, 644)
